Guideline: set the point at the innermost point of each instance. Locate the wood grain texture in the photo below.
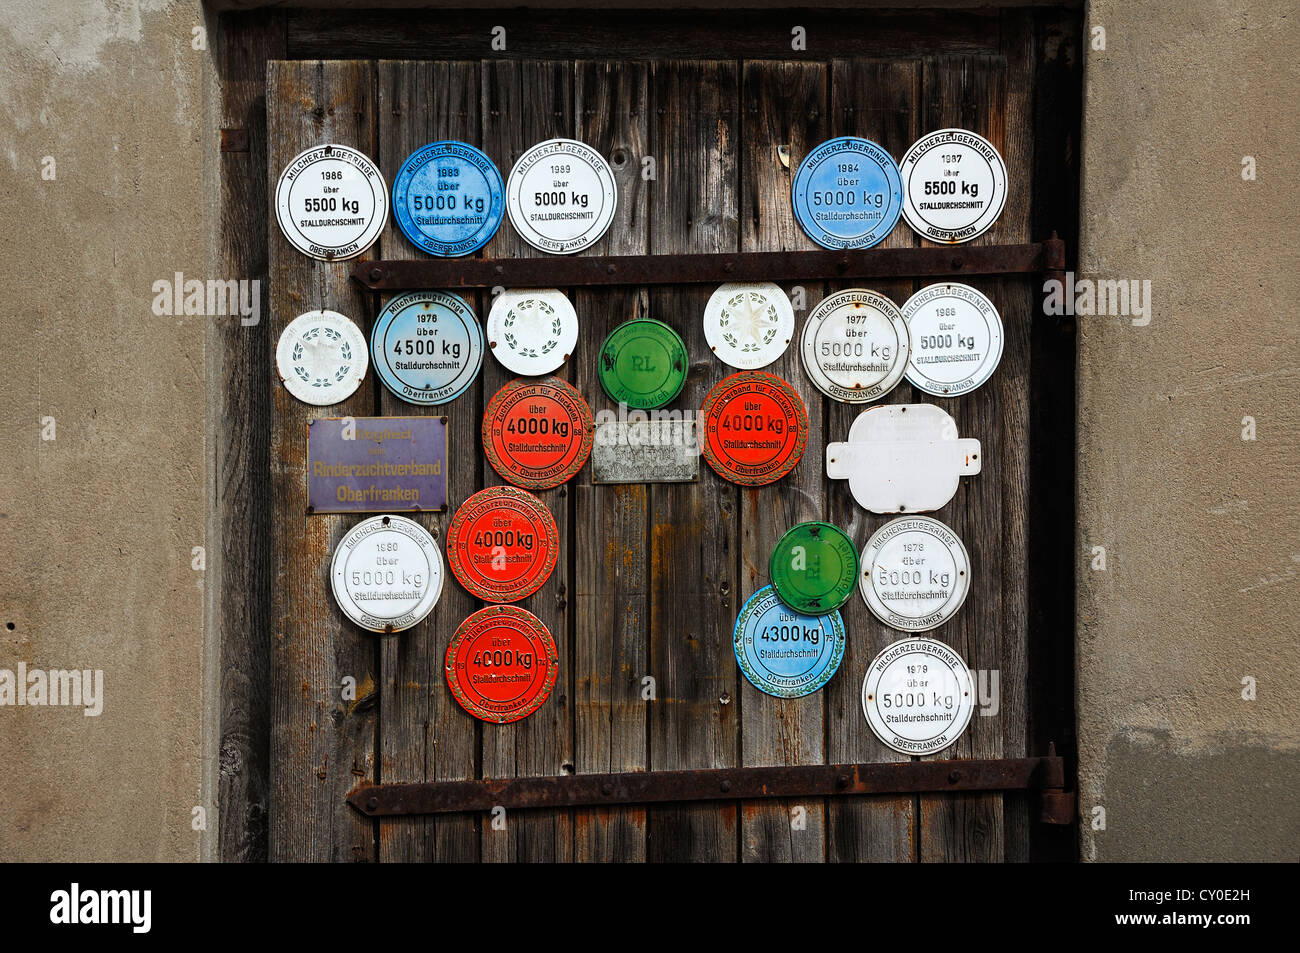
(424, 733)
(781, 104)
(878, 101)
(611, 523)
(694, 207)
(321, 745)
(522, 104)
(243, 449)
(970, 93)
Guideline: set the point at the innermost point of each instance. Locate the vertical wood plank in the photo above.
(970, 93)
(321, 746)
(424, 733)
(611, 614)
(524, 103)
(781, 104)
(693, 546)
(1016, 301)
(243, 453)
(878, 101)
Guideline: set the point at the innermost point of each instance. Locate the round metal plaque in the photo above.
(321, 357)
(643, 363)
(917, 696)
(956, 336)
(448, 199)
(502, 544)
(427, 346)
(387, 574)
(814, 567)
(954, 186)
(501, 664)
(756, 428)
(915, 573)
(784, 652)
(331, 202)
(855, 346)
(532, 332)
(748, 325)
(847, 193)
(562, 196)
(537, 433)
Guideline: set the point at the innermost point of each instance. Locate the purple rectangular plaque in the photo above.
(376, 465)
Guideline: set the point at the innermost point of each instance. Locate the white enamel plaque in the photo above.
(855, 346)
(331, 202)
(956, 339)
(532, 332)
(917, 696)
(387, 574)
(915, 573)
(748, 324)
(954, 186)
(903, 458)
(561, 196)
(322, 357)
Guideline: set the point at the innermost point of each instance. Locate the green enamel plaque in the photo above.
(814, 567)
(643, 364)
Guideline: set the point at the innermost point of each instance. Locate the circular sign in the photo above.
(915, 573)
(783, 652)
(643, 363)
(855, 346)
(562, 196)
(331, 202)
(428, 346)
(448, 198)
(387, 574)
(537, 433)
(954, 185)
(847, 193)
(756, 428)
(956, 336)
(532, 332)
(321, 357)
(501, 664)
(814, 567)
(748, 325)
(917, 696)
(502, 544)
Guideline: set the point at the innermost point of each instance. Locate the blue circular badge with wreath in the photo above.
(783, 652)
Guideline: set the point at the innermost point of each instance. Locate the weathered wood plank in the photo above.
(524, 103)
(1016, 302)
(240, 356)
(424, 734)
(879, 101)
(321, 746)
(754, 34)
(781, 104)
(611, 613)
(970, 93)
(694, 723)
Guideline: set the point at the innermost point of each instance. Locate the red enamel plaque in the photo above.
(502, 544)
(755, 428)
(501, 664)
(537, 433)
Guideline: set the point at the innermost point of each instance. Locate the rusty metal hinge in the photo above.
(950, 262)
(647, 787)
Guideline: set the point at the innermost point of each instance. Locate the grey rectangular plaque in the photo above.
(377, 465)
(658, 451)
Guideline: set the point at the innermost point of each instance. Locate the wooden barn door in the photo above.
(650, 577)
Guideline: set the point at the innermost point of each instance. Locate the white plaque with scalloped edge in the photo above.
(903, 458)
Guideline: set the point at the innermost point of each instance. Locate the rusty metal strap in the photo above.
(566, 272)
(647, 787)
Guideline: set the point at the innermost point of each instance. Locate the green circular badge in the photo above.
(814, 567)
(643, 364)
